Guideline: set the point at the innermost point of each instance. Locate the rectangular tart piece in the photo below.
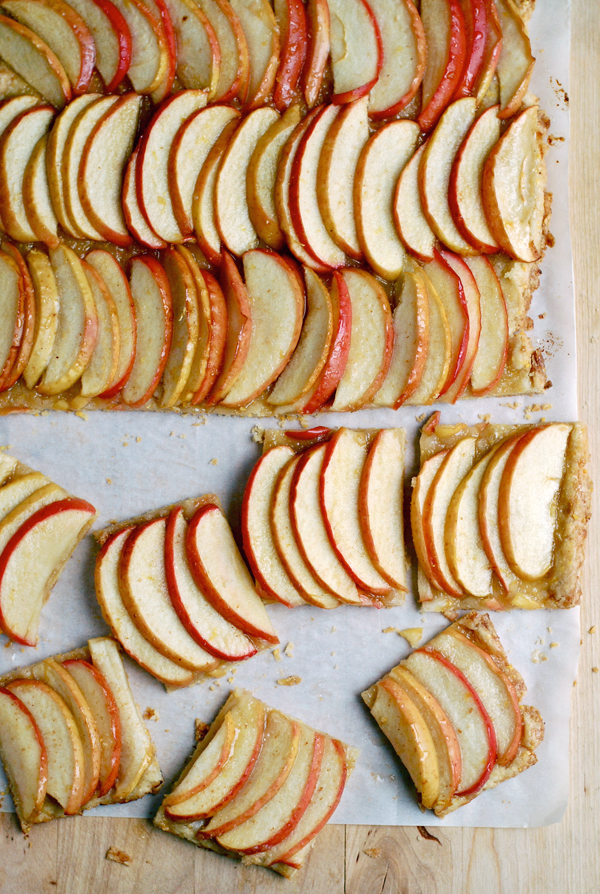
(71, 735)
(453, 714)
(260, 786)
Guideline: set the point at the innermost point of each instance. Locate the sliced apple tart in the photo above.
(499, 515)
(177, 595)
(260, 786)
(72, 737)
(453, 714)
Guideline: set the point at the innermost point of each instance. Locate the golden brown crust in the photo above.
(189, 508)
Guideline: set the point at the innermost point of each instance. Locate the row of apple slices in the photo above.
(179, 597)
(72, 737)
(262, 784)
(484, 522)
(451, 711)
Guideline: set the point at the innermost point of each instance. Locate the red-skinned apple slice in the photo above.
(119, 621)
(18, 489)
(445, 33)
(220, 572)
(407, 208)
(356, 49)
(203, 202)
(29, 310)
(159, 10)
(135, 220)
(317, 53)
(186, 325)
(102, 367)
(491, 52)
(262, 37)
(36, 197)
(24, 756)
(214, 309)
(198, 52)
(112, 38)
(421, 489)
(476, 27)
(46, 313)
(439, 351)
(489, 496)
(234, 71)
(449, 289)
(515, 62)
(404, 57)
(33, 59)
(154, 314)
(259, 546)
(239, 330)
(490, 360)
(469, 295)
(291, 18)
(149, 48)
(207, 767)
(210, 630)
(12, 306)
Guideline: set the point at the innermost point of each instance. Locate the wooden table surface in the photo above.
(68, 856)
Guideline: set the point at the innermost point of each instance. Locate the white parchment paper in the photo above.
(128, 463)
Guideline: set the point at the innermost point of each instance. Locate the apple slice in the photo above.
(465, 187)
(239, 331)
(206, 768)
(488, 511)
(445, 34)
(189, 150)
(154, 314)
(262, 37)
(185, 327)
(24, 756)
(18, 489)
(380, 501)
(404, 57)
(231, 202)
(469, 295)
(220, 572)
(379, 167)
(436, 168)
(102, 367)
(149, 49)
(407, 208)
(16, 148)
(36, 197)
(198, 53)
(491, 52)
(317, 53)
(145, 594)
(204, 624)
(77, 324)
(12, 307)
(152, 174)
(527, 500)
(371, 342)
(119, 621)
(421, 489)
(203, 202)
(46, 315)
(13, 106)
(135, 220)
(490, 360)
(514, 182)
(284, 541)
(271, 770)
(276, 301)
(111, 36)
(259, 545)
(449, 288)
(29, 312)
(466, 712)
(166, 32)
(248, 719)
(61, 740)
(515, 62)
(356, 49)
(339, 494)
(102, 166)
(439, 351)
(475, 13)
(116, 282)
(291, 18)
(33, 59)
(261, 177)
(234, 70)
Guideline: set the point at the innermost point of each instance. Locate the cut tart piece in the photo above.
(71, 735)
(260, 786)
(516, 515)
(453, 712)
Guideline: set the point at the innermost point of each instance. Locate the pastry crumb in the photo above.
(554, 645)
(200, 729)
(373, 852)
(138, 439)
(258, 434)
(333, 629)
(151, 714)
(82, 415)
(305, 421)
(289, 681)
(109, 480)
(214, 462)
(592, 629)
(276, 653)
(421, 418)
(485, 417)
(537, 656)
(117, 856)
(595, 670)
(231, 680)
(182, 437)
(289, 650)
(512, 406)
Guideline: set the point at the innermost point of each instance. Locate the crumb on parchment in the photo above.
(258, 434)
(109, 480)
(151, 714)
(200, 729)
(289, 681)
(554, 645)
(412, 635)
(537, 656)
(214, 462)
(117, 856)
(82, 415)
(276, 653)
(289, 650)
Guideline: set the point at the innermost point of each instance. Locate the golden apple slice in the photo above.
(262, 37)
(33, 59)
(407, 208)
(527, 499)
(198, 53)
(515, 62)
(490, 360)
(317, 53)
(24, 757)
(29, 308)
(446, 38)
(404, 57)
(36, 197)
(381, 163)
(111, 36)
(13, 107)
(166, 35)
(203, 202)
(239, 330)
(135, 220)
(185, 327)
(12, 308)
(421, 489)
(471, 302)
(15, 491)
(234, 69)
(291, 18)
(149, 50)
(356, 49)
(439, 350)
(103, 364)
(449, 289)
(119, 621)
(491, 52)
(206, 768)
(489, 496)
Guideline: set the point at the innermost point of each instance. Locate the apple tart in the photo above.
(499, 515)
(259, 786)
(453, 714)
(72, 737)
(175, 592)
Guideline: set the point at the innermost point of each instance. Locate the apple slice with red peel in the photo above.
(239, 330)
(339, 493)
(285, 543)
(36, 197)
(465, 186)
(111, 36)
(276, 301)
(445, 34)
(29, 311)
(206, 768)
(409, 218)
(61, 739)
(466, 712)
(119, 621)
(439, 351)
(135, 220)
(24, 756)
(154, 314)
(115, 281)
(449, 289)
(204, 624)
(469, 294)
(203, 202)
(220, 572)
(371, 342)
(232, 213)
(234, 69)
(356, 49)
(186, 325)
(404, 57)
(476, 26)
(421, 490)
(18, 489)
(317, 53)
(211, 347)
(102, 367)
(271, 770)
(30, 57)
(291, 18)
(145, 593)
(491, 52)
(149, 48)
(527, 499)
(262, 37)
(12, 308)
(104, 708)
(259, 546)
(198, 52)
(164, 28)
(488, 511)
(490, 360)
(515, 62)
(46, 314)
(380, 500)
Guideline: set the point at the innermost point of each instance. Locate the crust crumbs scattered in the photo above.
(373, 852)
(109, 480)
(200, 729)
(554, 645)
(537, 656)
(305, 421)
(276, 653)
(289, 681)
(592, 629)
(151, 714)
(82, 415)
(258, 434)
(138, 439)
(485, 417)
(214, 462)
(289, 650)
(513, 406)
(117, 856)
(421, 418)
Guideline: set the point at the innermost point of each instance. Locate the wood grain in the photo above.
(68, 856)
